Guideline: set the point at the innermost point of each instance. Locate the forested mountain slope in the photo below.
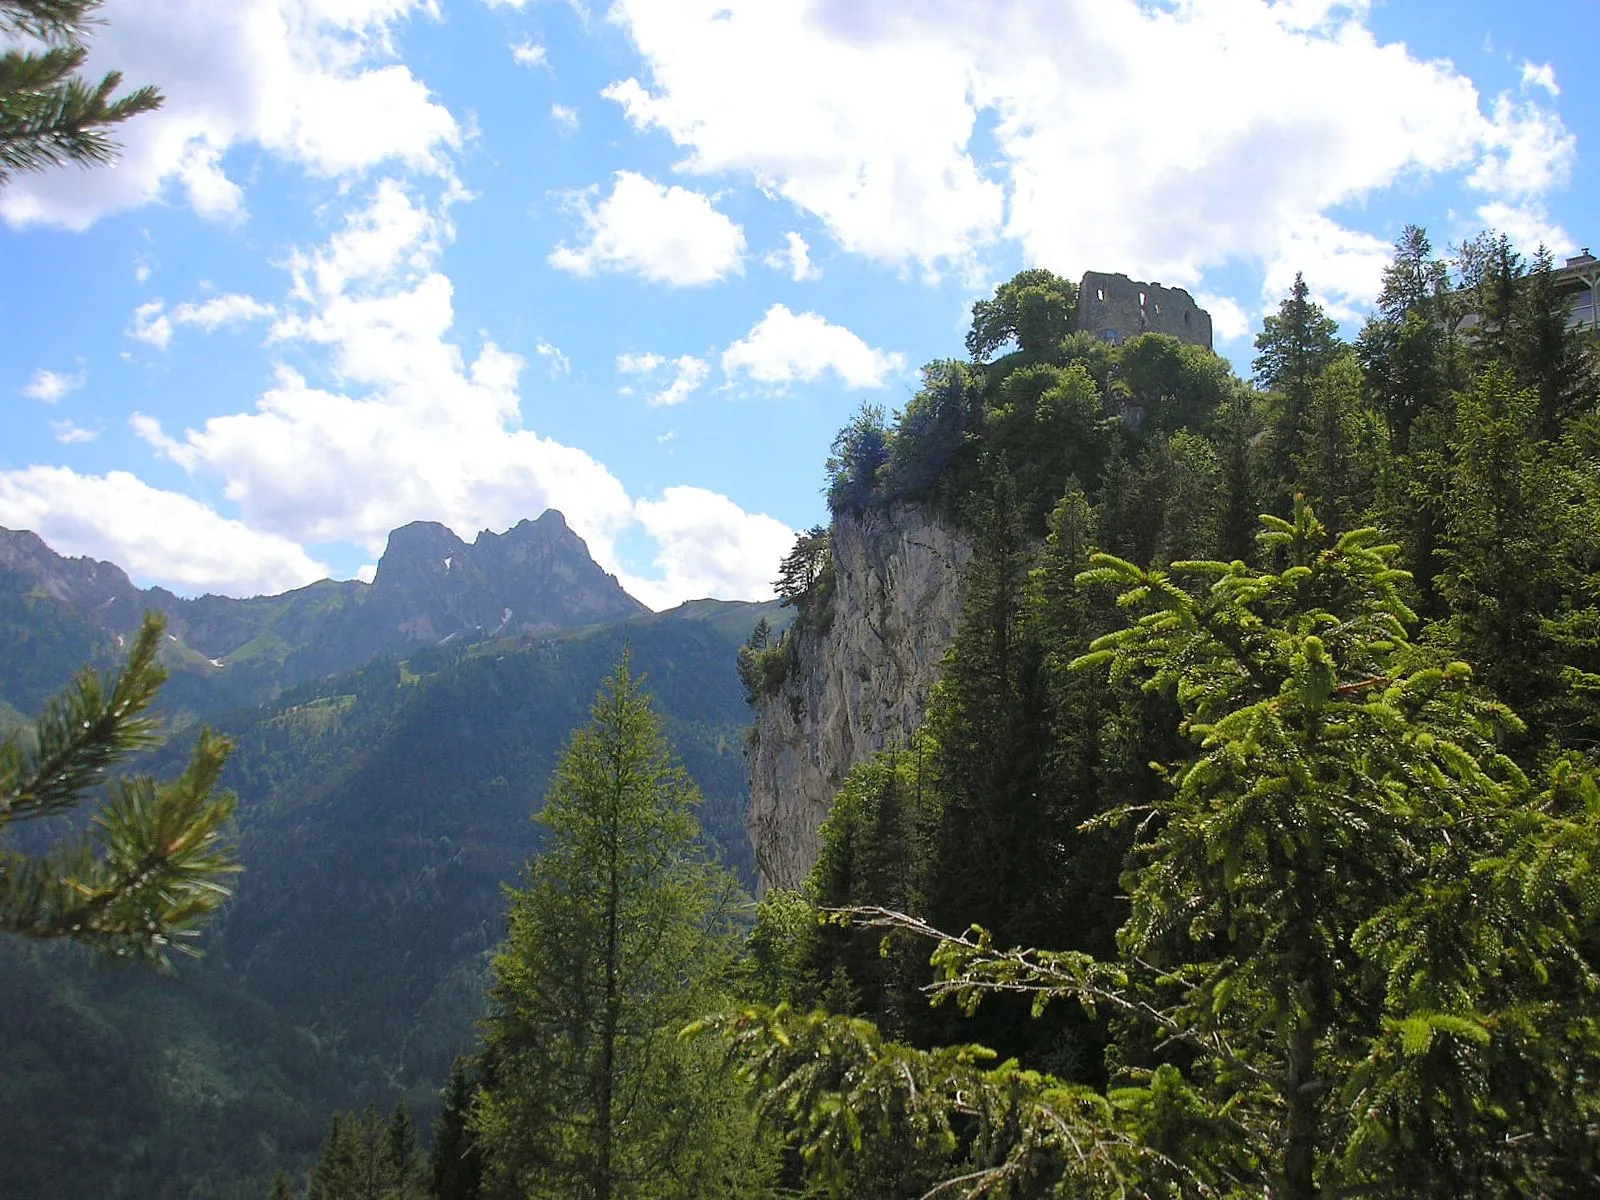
(380, 812)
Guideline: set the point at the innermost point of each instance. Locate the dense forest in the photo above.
(1247, 846)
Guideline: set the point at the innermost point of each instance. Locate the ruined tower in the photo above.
(1116, 308)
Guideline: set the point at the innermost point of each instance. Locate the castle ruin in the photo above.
(1116, 308)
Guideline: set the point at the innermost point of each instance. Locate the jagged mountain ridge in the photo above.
(430, 587)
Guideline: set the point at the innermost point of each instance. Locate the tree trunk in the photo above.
(1300, 1149)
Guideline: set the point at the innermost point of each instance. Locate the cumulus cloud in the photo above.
(228, 310)
(662, 234)
(688, 373)
(1528, 225)
(413, 428)
(151, 324)
(709, 546)
(70, 433)
(1156, 139)
(786, 347)
(158, 536)
(528, 53)
(1229, 321)
(794, 258)
(49, 386)
(565, 117)
(1540, 75)
(313, 83)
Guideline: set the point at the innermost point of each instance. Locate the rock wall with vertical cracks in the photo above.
(857, 683)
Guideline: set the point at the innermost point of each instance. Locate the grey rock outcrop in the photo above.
(856, 686)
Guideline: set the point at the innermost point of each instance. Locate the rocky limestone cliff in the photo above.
(536, 576)
(856, 686)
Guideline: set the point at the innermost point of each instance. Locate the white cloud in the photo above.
(1270, 117)
(558, 362)
(412, 428)
(49, 386)
(1229, 321)
(141, 269)
(528, 53)
(565, 117)
(785, 347)
(709, 546)
(1529, 226)
(688, 373)
(1343, 268)
(638, 364)
(1541, 75)
(795, 258)
(312, 82)
(662, 234)
(158, 536)
(151, 325)
(1529, 152)
(70, 433)
(230, 309)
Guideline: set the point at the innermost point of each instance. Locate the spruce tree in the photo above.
(155, 869)
(621, 933)
(455, 1165)
(49, 115)
(1296, 344)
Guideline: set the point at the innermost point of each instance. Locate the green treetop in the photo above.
(154, 869)
(620, 935)
(49, 115)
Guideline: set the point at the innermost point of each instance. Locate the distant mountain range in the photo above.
(430, 587)
(392, 741)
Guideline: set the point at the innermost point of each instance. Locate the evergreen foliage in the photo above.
(154, 871)
(49, 114)
(1349, 951)
(621, 933)
(368, 1158)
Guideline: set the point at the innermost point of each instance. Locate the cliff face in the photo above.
(857, 686)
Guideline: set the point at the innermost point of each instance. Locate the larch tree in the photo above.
(49, 114)
(155, 867)
(622, 932)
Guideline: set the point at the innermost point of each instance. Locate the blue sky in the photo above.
(461, 260)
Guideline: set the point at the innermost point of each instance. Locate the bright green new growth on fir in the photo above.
(622, 933)
(48, 115)
(155, 868)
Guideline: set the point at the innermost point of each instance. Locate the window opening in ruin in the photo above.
(1186, 320)
(1100, 295)
(1141, 299)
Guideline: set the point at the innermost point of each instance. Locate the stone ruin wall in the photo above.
(1117, 308)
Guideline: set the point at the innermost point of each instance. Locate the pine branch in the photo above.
(48, 115)
(154, 870)
(84, 731)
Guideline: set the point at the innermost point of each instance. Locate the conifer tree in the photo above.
(155, 868)
(49, 115)
(1408, 345)
(1296, 344)
(455, 1164)
(621, 933)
